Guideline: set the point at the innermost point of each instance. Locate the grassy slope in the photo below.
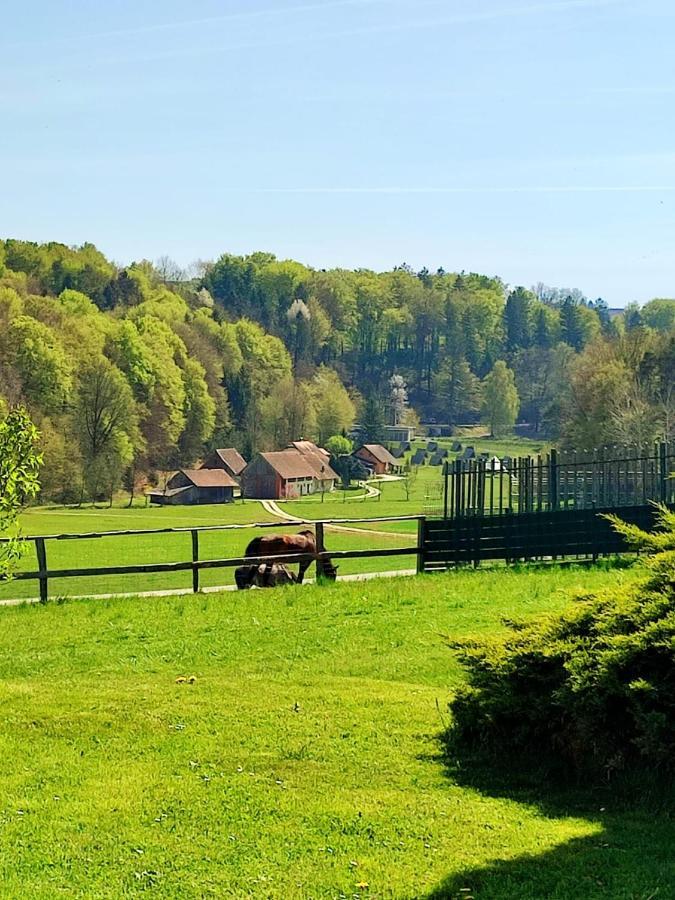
(303, 761)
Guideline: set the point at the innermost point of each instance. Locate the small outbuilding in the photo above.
(190, 487)
(377, 458)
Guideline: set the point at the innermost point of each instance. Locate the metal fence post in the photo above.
(664, 473)
(41, 552)
(553, 480)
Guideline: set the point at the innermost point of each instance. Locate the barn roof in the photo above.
(232, 459)
(308, 447)
(381, 454)
(169, 492)
(293, 464)
(209, 478)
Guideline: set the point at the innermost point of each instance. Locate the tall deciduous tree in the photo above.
(38, 357)
(106, 421)
(500, 399)
(334, 408)
(19, 470)
(337, 445)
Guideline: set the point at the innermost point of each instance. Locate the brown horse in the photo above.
(286, 544)
(264, 575)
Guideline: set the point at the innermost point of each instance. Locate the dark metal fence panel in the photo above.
(612, 477)
(528, 536)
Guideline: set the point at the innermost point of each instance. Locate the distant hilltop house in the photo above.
(195, 486)
(228, 459)
(377, 459)
(301, 469)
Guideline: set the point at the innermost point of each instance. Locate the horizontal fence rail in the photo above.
(43, 574)
(529, 536)
(622, 477)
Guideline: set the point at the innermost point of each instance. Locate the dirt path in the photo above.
(271, 507)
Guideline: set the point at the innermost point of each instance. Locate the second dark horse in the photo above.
(286, 544)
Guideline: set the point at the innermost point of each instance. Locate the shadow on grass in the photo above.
(631, 858)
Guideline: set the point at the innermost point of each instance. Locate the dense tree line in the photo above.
(132, 370)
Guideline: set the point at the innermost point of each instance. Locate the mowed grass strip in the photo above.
(302, 762)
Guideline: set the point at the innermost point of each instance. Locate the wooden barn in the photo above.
(377, 458)
(283, 474)
(190, 487)
(228, 459)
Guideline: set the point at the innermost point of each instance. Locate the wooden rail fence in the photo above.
(43, 574)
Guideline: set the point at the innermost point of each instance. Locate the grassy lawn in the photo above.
(132, 549)
(423, 497)
(302, 763)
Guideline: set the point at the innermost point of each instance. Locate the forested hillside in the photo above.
(131, 370)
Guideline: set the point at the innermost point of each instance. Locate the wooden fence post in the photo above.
(41, 552)
(445, 489)
(320, 548)
(195, 558)
(420, 545)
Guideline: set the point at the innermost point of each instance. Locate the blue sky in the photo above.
(532, 139)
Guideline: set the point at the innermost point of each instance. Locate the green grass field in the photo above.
(159, 548)
(304, 762)
(424, 497)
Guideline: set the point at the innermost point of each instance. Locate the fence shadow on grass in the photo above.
(630, 858)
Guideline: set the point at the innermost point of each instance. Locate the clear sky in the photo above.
(532, 139)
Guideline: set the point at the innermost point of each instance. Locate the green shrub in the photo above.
(593, 688)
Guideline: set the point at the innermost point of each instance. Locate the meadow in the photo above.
(160, 548)
(422, 497)
(285, 744)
